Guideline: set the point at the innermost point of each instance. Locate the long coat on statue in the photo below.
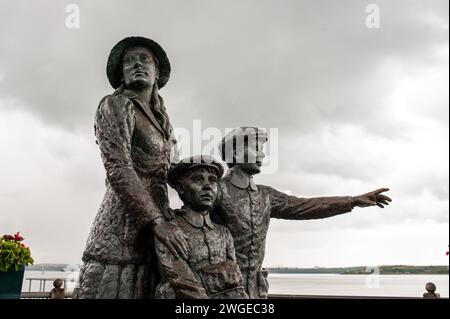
(136, 147)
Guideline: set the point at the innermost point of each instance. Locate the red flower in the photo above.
(18, 254)
(16, 237)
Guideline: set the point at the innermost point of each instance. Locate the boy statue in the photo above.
(246, 208)
(210, 271)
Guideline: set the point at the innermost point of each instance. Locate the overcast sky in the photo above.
(356, 109)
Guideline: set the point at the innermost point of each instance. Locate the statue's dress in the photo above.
(119, 258)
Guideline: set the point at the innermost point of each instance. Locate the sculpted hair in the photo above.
(157, 105)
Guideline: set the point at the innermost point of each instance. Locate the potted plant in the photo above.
(14, 256)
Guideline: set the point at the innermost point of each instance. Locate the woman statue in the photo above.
(135, 138)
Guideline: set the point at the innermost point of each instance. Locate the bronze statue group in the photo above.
(214, 245)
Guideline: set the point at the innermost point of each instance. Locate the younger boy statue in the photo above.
(210, 271)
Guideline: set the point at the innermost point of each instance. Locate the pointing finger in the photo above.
(381, 190)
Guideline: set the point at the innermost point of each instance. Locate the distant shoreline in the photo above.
(363, 270)
(358, 270)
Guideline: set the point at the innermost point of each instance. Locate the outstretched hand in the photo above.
(372, 199)
(173, 238)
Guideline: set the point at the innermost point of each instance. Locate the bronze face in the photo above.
(198, 189)
(250, 157)
(139, 68)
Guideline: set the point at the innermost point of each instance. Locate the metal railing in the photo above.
(42, 283)
(42, 294)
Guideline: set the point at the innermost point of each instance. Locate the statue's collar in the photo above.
(196, 219)
(125, 92)
(133, 96)
(240, 179)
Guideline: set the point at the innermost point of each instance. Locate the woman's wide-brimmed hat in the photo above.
(114, 66)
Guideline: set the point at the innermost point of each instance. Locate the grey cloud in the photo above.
(290, 64)
(304, 67)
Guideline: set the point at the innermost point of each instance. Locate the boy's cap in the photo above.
(182, 167)
(239, 134)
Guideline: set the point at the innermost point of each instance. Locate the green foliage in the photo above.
(13, 254)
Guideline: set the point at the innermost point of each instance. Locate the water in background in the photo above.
(357, 285)
(304, 284)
